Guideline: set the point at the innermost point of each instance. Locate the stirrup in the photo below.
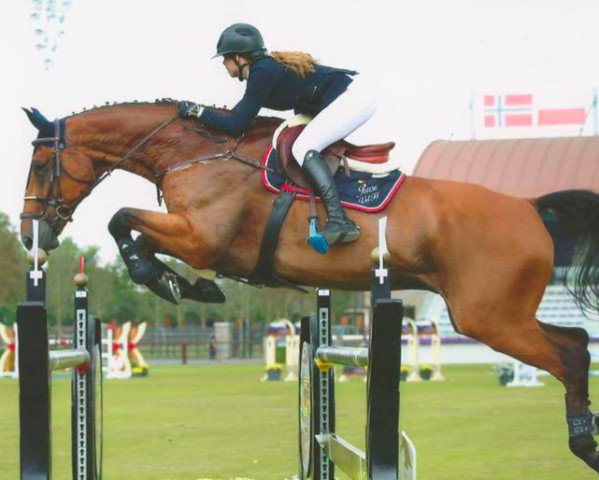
(315, 239)
(346, 231)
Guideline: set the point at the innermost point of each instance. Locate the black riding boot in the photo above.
(339, 228)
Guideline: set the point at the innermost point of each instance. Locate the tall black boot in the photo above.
(339, 228)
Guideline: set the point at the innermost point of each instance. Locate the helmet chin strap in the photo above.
(240, 67)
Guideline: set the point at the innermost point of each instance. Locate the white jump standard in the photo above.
(321, 449)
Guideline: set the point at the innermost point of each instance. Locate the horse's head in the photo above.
(59, 177)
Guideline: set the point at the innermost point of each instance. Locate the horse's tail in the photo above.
(573, 215)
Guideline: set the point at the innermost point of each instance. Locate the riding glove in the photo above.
(189, 109)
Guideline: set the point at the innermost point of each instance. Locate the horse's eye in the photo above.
(39, 167)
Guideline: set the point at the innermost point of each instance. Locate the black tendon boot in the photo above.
(339, 229)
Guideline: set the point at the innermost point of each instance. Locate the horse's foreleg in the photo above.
(124, 221)
(202, 290)
(161, 232)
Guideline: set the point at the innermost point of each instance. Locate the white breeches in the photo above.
(345, 114)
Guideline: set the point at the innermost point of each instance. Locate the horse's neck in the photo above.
(111, 134)
(115, 135)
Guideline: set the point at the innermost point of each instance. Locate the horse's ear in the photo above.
(38, 120)
(29, 114)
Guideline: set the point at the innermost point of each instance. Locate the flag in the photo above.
(513, 110)
(561, 116)
(519, 110)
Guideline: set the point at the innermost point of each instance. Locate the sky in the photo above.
(427, 61)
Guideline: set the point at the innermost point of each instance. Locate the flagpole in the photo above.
(595, 113)
(472, 124)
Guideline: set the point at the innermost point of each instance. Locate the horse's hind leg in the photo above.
(572, 343)
(557, 350)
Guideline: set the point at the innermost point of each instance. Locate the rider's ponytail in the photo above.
(301, 63)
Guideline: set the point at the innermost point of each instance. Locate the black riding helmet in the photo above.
(240, 38)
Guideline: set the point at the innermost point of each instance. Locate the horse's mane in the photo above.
(158, 101)
(261, 121)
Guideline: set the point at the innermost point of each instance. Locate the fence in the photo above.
(172, 343)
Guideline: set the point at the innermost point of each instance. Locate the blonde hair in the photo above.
(299, 62)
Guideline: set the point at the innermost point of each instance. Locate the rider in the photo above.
(286, 81)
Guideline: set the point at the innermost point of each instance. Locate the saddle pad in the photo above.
(365, 192)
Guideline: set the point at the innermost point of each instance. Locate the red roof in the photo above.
(520, 167)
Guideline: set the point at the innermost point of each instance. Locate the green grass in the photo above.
(219, 421)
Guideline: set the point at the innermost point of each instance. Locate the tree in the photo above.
(63, 265)
(13, 266)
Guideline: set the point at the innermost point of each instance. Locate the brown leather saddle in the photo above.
(333, 154)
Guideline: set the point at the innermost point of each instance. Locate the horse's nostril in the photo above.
(27, 241)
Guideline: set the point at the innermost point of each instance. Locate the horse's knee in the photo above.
(146, 245)
(118, 223)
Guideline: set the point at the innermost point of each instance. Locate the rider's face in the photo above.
(231, 66)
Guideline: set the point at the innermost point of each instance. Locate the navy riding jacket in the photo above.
(270, 84)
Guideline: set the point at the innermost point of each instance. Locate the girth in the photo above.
(263, 273)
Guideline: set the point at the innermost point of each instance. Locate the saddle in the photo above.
(333, 154)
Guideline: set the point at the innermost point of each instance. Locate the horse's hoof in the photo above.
(203, 290)
(584, 447)
(166, 286)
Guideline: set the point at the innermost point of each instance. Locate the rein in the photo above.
(225, 156)
(64, 211)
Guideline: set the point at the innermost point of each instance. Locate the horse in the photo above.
(489, 255)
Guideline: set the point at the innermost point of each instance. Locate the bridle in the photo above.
(63, 211)
(53, 197)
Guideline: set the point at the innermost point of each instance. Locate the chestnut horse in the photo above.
(489, 255)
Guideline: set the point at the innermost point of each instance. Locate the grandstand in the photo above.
(557, 308)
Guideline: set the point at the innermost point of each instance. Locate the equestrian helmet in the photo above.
(240, 38)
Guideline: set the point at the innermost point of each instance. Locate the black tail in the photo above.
(575, 216)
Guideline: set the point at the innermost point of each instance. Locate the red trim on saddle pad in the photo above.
(304, 194)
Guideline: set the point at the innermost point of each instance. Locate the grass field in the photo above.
(218, 421)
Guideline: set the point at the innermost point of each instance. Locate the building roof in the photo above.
(520, 167)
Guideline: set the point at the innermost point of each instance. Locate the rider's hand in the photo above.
(189, 109)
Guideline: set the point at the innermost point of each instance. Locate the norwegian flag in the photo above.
(514, 110)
